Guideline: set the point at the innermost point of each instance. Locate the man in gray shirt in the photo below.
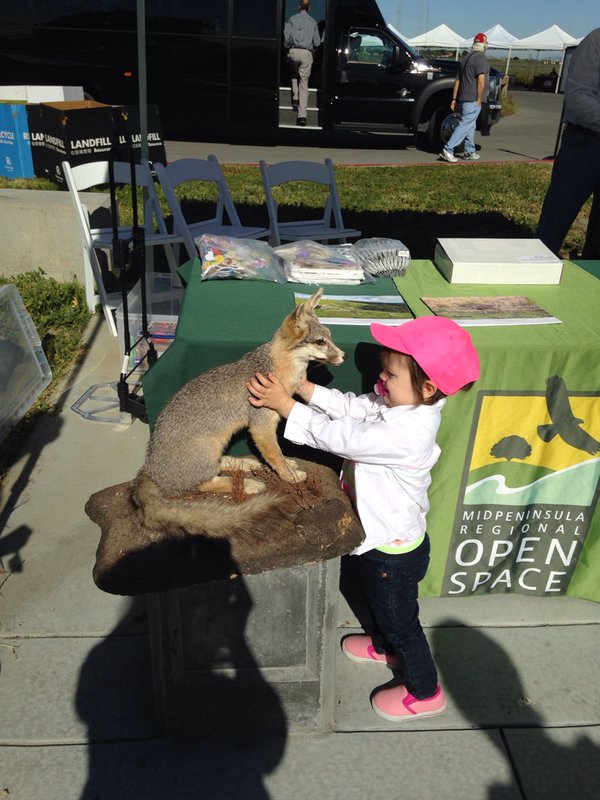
(470, 87)
(576, 171)
(301, 36)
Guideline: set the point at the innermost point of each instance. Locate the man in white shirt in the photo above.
(301, 36)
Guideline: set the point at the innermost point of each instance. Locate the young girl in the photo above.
(388, 441)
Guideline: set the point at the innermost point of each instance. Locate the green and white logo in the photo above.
(529, 492)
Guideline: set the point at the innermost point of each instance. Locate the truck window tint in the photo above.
(255, 19)
(370, 47)
(106, 14)
(187, 16)
(17, 12)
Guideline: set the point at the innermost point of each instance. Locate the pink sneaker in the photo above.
(359, 648)
(398, 704)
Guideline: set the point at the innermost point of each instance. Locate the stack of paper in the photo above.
(311, 262)
(497, 261)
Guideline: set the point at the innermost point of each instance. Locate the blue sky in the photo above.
(467, 17)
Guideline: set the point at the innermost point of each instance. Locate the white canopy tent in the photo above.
(441, 37)
(552, 39)
(498, 39)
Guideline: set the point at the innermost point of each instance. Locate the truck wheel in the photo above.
(441, 125)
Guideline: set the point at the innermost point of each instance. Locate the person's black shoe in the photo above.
(301, 121)
(294, 105)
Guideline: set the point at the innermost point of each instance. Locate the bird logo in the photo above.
(564, 423)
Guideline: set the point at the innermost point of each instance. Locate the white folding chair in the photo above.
(330, 226)
(96, 173)
(207, 170)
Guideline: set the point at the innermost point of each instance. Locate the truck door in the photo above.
(372, 81)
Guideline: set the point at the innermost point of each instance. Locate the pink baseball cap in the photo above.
(443, 350)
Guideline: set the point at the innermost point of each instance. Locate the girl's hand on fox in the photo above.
(305, 389)
(269, 392)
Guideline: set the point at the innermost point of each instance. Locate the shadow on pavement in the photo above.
(46, 429)
(477, 674)
(227, 757)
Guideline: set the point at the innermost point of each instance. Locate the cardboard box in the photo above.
(15, 149)
(503, 261)
(24, 369)
(83, 131)
(74, 131)
(164, 295)
(127, 121)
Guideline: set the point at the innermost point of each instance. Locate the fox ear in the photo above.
(309, 304)
(313, 301)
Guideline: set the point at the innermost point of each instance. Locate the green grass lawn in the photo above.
(416, 204)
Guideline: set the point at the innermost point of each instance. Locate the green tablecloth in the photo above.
(509, 512)
(593, 267)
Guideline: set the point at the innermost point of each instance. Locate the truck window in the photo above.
(105, 14)
(17, 12)
(369, 47)
(186, 16)
(255, 19)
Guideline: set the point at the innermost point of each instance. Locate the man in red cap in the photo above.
(470, 87)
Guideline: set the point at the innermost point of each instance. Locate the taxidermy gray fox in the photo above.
(185, 452)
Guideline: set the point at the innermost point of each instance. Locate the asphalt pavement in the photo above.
(528, 135)
(77, 705)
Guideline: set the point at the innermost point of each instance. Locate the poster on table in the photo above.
(528, 492)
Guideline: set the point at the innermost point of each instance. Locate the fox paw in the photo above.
(292, 463)
(252, 486)
(245, 463)
(293, 475)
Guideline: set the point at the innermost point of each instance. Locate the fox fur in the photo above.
(185, 453)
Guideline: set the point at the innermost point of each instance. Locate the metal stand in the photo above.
(129, 254)
(130, 259)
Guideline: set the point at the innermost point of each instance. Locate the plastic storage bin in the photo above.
(24, 369)
(164, 295)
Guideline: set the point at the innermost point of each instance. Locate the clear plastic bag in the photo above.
(312, 262)
(230, 257)
(382, 257)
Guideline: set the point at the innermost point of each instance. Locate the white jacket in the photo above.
(392, 450)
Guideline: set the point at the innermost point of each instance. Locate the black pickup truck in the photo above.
(219, 66)
(381, 84)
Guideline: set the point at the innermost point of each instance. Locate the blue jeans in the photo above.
(391, 585)
(465, 128)
(575, 176)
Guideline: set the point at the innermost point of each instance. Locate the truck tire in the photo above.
(441, 124)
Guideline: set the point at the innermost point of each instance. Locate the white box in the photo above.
(41, 94)
(53, 94)
(164, 295)
(24, 369)
(518, 261)
(13, 93)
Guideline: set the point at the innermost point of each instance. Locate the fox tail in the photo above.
(210, 515)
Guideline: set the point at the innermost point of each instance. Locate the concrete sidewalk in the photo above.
(521, 674)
